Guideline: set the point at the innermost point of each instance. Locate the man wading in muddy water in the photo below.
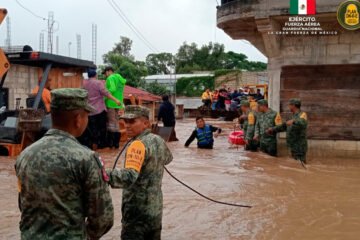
(141, 178)
(204, 134)
(295, 131)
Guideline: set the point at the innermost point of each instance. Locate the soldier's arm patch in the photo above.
(303, 116)
(251, 119)
(278, 120)
(135, 156)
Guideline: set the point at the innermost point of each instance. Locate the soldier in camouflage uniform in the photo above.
(296, 131)
(268, 118)
(63, 193)
(248, 120)
(141, 178)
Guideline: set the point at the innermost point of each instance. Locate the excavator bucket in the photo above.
(4, 63)
(3, 13)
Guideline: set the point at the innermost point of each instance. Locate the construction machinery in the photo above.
(21, 126)
(4, 63)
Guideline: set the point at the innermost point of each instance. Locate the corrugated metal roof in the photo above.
(189, 103)
(176, 76)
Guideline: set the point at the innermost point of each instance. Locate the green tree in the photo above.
(194, 86)
(122, 48)
(124, 63)
(211, 57)
(156, 88)
(185, 57)
(160, 63)
(133, 71)
(240, 61)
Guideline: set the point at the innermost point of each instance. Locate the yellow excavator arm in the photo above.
(4, 63)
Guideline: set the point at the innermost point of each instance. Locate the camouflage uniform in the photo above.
(141, 179)
(269, 119)
(249, 123)
(62, 194)
(296, 133)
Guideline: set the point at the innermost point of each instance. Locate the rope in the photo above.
(187, 186)
(122, 150)
(202, 195)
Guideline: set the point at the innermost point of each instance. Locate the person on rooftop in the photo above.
(206, 98)
(115, 84)
(96, 130)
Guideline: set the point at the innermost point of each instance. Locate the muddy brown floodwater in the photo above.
(322, 202)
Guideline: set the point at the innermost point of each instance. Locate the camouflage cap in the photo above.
(245, 103)
(295, 101)
(135, 111)
(70, 99)
(262, 102)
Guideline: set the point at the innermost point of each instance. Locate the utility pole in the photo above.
(78, 45)
(69, 48)
(50, 32)
(94, 42)
(8, 33)
(57, 45)
(42, 42)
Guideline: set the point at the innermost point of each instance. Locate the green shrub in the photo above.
(194, 86)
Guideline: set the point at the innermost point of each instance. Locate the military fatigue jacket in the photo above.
(141, 179)
(249, 125)
(296, 134)
(265, 121)
(62, 194)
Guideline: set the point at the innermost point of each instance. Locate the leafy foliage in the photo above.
(189, 58)
(122, 48)
(211, 57)
(195, 86)
(156, 88)
(160, 63)
(124, 63)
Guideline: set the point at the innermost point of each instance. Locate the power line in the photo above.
(127, 21)
(31, 12)
(130, 25)
(134, 26)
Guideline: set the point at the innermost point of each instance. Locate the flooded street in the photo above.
(288, 201)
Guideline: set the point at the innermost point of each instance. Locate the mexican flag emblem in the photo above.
(302, 7)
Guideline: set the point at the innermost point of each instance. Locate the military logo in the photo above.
(135, 156)
(348, 15)
(251, 119)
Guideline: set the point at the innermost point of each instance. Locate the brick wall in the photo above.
(236, 80)
(20, 81)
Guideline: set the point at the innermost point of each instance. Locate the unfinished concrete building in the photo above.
(321, 69)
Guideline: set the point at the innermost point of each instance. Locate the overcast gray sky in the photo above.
(166, 24)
